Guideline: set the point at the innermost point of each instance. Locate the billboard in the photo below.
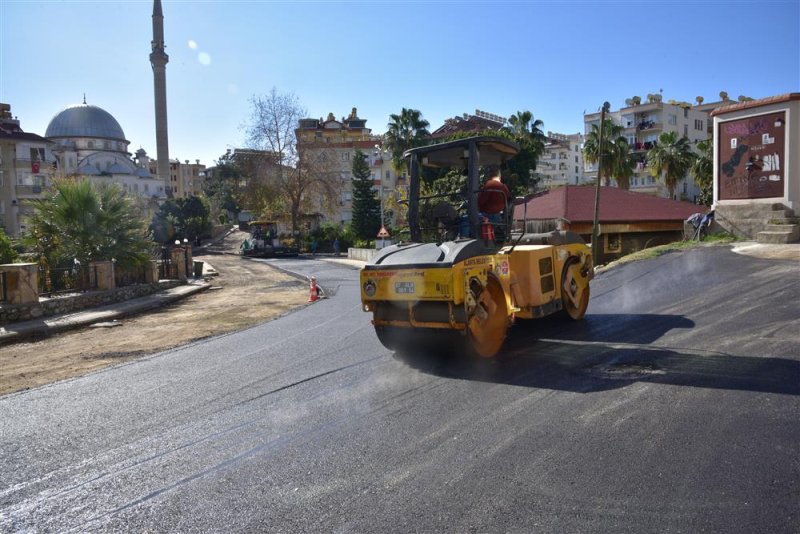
(751, 157)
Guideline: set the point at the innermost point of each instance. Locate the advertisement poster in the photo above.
(751, 157)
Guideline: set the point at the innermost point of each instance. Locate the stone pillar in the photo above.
(22, 282)
(151, 273)
(103, 273)
(178, 258)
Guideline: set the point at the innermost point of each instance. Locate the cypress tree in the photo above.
(366, 206)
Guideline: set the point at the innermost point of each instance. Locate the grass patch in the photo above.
(654, 252)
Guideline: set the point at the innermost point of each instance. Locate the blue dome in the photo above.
(83, 120)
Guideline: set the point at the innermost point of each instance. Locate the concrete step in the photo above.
(778, 237)
(755, 211)
(785, 220)
(782, 228)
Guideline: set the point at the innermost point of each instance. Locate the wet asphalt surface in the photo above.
(673, 407)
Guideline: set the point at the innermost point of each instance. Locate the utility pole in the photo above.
(596, 225)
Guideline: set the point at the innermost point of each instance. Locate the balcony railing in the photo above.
(29, 190)
(646, 145)
(649, 125)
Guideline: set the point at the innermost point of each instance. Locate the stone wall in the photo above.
(57, 305)
(362, 254)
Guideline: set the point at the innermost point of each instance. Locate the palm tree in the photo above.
(617, 162)
(527, 131)
(83, 222)
(703, 170)
(671, 158)
(406, 130)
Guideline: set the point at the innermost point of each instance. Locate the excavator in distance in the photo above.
(462, 280)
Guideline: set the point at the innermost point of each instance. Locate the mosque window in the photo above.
(91, 144)
(107, 145)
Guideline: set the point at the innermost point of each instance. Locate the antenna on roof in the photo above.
(84, 98)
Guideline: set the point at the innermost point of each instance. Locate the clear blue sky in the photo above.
(445, 58)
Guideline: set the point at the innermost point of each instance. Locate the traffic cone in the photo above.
(314, 291)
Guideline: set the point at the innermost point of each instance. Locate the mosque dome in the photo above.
(84, 120)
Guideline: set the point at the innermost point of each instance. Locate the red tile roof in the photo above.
(576, 204)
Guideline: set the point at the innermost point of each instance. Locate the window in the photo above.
(698, 124)
(387, 175)
(37, 154)
(685, 113)
(686, 130)
(672, 119)
(91, 144)
(576, 158)
(576, 167)
(613, 243)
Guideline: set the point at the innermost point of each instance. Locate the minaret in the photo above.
(159, 59)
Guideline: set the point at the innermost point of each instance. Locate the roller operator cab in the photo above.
(465, 276)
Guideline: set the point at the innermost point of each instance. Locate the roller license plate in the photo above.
(404, 288)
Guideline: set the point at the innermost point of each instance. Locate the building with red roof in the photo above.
(628, 221)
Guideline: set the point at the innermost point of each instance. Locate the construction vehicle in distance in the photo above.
(459, 280)
(264, 242)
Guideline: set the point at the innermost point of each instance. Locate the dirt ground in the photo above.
(245, 293)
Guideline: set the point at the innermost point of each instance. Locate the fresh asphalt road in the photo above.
(673, 407)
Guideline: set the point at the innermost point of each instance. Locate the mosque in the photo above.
(85, 140)
(88, 141)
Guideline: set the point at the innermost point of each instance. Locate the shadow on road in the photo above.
(611, 351)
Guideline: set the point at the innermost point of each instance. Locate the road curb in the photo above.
(14, 332)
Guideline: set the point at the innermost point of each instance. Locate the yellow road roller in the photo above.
(464, 276)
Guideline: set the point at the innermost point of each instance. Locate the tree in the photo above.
(182, 218)
(703, 171)
(617, 162)
(222, 186)
(366, 208)
(83, 222)
(7, 252)
(303, 174)
(527, 132)
(406, 130)
(671, 158)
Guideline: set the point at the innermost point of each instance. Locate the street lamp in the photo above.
(596, 226)
(379, 154)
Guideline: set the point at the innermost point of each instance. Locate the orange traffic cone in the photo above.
(314, 291)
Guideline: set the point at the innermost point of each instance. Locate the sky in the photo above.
(557, 59)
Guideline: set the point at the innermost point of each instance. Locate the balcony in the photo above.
(644, 126)
(639, 146)
(29, 190)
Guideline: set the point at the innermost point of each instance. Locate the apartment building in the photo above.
(27, 166)
(331, 144)
(562, 161)
(480, 121)
(644, 121)
(185, 179)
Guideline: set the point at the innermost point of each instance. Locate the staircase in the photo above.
(764, 223)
